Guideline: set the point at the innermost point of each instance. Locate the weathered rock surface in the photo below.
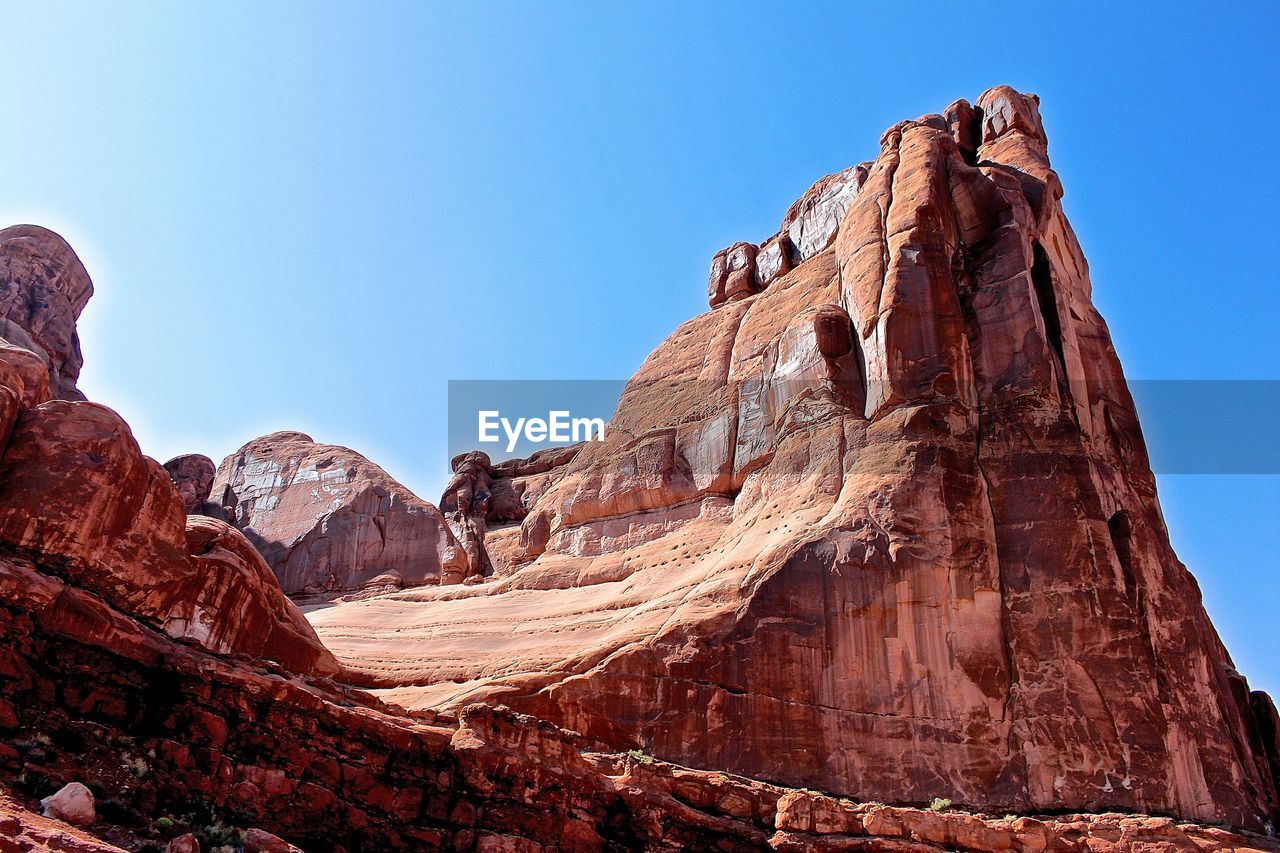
(72, 803)
(192, 475)
(329, 768)
(481, 494)
(43, 289)
(327, 519)
(881, 524)
(76, 489)
(24, 830)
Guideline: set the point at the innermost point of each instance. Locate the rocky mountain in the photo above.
(877, 528)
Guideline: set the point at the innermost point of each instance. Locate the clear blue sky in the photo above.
(308, 216)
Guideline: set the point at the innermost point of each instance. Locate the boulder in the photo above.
(192, 475)
(73, 803)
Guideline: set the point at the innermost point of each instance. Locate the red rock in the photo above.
(22, 830)
(812, 222)
(883, 528)
(75, 487)
(187, 843)
(326, 519)
(261, 841)
(193, 475)
(43, 289)
(233, 603)
(72, 803)
(733, 274)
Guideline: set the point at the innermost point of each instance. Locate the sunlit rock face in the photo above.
(881, 523)
(326, 519)
(43, 289)
(78, 495)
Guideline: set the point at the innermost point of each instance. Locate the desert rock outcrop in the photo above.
(481, 495)
(192, 475)
(76, 490)
(327, 519)
(43, 289)
(881, 524)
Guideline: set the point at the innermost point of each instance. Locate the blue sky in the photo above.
(304, 216)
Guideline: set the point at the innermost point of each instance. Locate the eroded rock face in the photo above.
(881, 524)
(327, 519)
(192, 475)
(76, 490)
(43, 289)
(330, 768)
(481, 495)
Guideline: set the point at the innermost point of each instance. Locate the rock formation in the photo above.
(881, 523)
(43, 289)
(465, 504)
(77, 493)
(481, 494)
(333, 769)
(326, 519)
(192, 475)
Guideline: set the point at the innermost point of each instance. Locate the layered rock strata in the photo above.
(332, 769)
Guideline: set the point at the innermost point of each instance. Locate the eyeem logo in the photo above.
(559, 427)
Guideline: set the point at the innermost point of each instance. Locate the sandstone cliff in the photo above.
(880, 523)
(152, 655)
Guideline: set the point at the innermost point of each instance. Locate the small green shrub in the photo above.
(640, 756)
(940, 804)
(164, 823)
